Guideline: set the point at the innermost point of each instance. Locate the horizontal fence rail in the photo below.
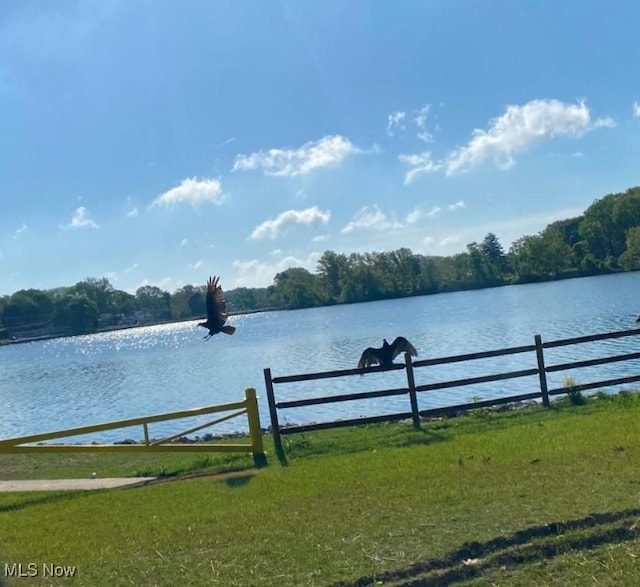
(542, 393)
(249, 406)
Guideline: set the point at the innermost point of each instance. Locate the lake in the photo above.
(83, 380)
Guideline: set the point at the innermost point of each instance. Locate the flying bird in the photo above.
(386, 353)
(216, 310)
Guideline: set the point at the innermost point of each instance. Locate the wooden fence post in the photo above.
(413, 398)
(255, 432)
(273, 412)
(542, 374)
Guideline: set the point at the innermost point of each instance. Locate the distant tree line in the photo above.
(605, 239)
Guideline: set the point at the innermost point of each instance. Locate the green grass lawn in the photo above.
(527, 497)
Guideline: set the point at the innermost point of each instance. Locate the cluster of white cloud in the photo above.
(255, 273)
(19, 231)
(420, 164)
(370, 218)
(373, 219)
(518, 129)
(193, 191)
(328, 151)
(396, 123)
(277, 226)
(80, 219)
(636, 109)
(418, 214)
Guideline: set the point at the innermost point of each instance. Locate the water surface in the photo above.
(77, 381)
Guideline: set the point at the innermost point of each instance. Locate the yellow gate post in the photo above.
(255, 432)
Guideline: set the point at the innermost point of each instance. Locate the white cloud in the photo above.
(196, 265)
(255, 273)
(131, 268)
(421, 118)
(193, 191)
(326, 152)
(19, 231)
(370, 218)
(443, 242)
(455, 206)
(636, 109)
(521, 127)
(318, 238)
(273, 228)
(80, 219)
(169, 284)
(275, 252)
(425, 136)
(418, 214)
(132, 213)
(516, 131)
(421, 164)
(184, 242)
(394, 121)
(223, 143)
(449, 240)
(301, 194)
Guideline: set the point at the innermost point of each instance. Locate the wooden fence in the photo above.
(411, 390)
(249, 406)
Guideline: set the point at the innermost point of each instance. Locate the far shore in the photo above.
(25, 339)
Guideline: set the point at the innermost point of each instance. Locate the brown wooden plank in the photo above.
(591, 338)
(273, 412)
(591, 362)
(472, 380)
(471, 356)
(338, 373)
(542, 374)
(596, 384)
(432, 412)
(313, 401)
(345, 423)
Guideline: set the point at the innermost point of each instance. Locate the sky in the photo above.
(157, 142)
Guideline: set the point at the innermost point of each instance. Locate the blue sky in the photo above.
(158, 142)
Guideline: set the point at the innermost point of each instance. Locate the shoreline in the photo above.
(26, 339)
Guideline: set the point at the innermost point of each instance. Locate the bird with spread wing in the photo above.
(216, 310)
(385, 355)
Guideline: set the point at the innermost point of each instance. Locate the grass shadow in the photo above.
(532, 544)
(239, 481)
(12, 504)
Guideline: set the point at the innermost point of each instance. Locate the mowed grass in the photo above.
(527, 497)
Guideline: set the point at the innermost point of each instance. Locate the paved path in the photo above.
(72, 484)
(110, 483)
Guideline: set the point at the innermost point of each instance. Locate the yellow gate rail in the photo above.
(249, 406)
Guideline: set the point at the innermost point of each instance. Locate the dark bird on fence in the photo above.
(385, 355)
(216, 310)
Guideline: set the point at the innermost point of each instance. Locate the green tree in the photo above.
(630, 259)
(99, 291)
(296, 288)
(75, 314)
(333, 270)
(28, 310)
(495, 256)
(152, 299)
